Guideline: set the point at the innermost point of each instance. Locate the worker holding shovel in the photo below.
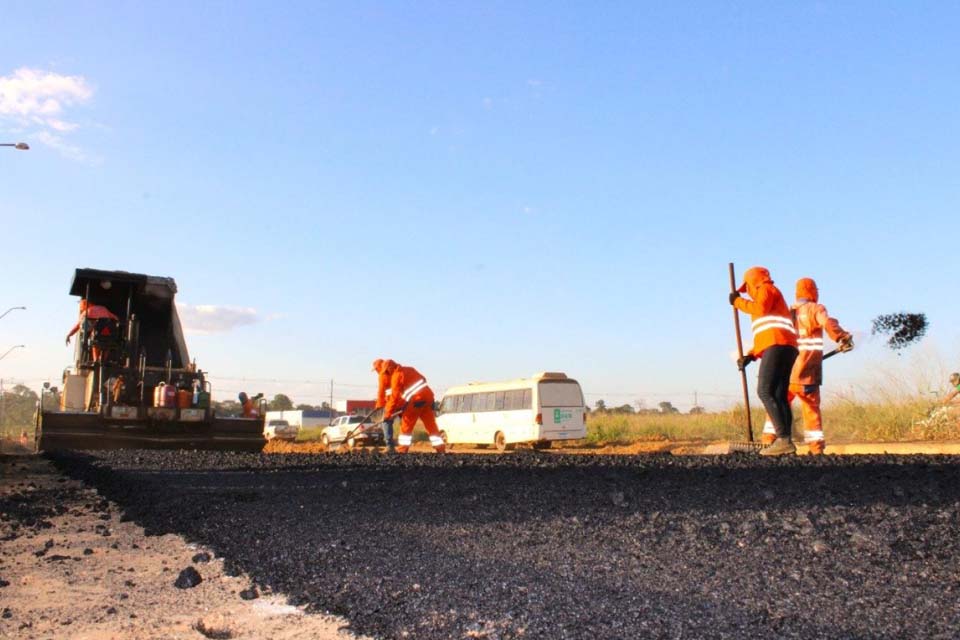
(775, 345)
(412, 397)
(806, 378)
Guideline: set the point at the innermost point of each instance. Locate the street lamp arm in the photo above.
(22, 146)
(11, 309)
(16, 346)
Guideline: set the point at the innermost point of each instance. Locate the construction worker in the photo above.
(775, 344)
(410, 394)
(249, 405)
(104, 323)
(383, 389)
(807, 375)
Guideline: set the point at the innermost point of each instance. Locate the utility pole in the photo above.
(331, 396)
(3, 402)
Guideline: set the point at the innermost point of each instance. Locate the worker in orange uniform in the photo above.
(102, 325)
(249, 405)
(383, 389)
(410, 394)
(807, 376)
(775, 345)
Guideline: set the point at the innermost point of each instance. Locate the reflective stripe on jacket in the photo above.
(812, 319)
(406, 385)
(772, 323)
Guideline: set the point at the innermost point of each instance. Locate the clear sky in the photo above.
(480, 189)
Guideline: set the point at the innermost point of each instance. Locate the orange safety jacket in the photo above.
(92, 312)
(406, 385)
(811, 320)
(772, 322)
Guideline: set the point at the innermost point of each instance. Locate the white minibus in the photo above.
(536, 410)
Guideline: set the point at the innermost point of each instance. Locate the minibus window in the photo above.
(560, 394)
(500, 400)
(527, 401)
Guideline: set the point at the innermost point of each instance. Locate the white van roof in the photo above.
(472, 387)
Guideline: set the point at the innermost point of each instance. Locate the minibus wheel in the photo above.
(443, 436)
(542, 444)
(500, 441)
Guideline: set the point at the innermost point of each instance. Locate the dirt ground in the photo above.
(70, 567)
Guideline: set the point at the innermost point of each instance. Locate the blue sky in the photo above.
(481, 190)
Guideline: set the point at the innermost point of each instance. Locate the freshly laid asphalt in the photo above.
(539, 545)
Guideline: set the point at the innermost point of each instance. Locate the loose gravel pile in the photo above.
(537, 545)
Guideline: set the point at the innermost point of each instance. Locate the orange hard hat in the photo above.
(377, 364)
(807, 289)
(754, 276)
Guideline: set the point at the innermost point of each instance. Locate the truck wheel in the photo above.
(325, 441)
(500, 441)
(351, 444)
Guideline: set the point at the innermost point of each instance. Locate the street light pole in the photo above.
(22, 146)
(16, 346)
(11, 309)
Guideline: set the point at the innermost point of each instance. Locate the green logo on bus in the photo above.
(559, 415)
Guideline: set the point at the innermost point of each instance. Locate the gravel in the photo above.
(539, 545)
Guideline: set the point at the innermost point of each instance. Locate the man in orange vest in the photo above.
(383, 389)
(410, 394)
(807, 376)
(248, 405)
(101, 317)
(775, 344)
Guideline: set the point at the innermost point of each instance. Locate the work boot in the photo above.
(767, 439)
(816, 448)
(780, 447)
(391, 448)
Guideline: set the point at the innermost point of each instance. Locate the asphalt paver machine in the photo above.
(132, 384)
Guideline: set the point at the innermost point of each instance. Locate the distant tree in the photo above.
(19, 406)
(695, 411)
(600, 405)
(304, 407)
(641, 405)
(280, 402)
(324, 405)
(667, 407)
(624, 408)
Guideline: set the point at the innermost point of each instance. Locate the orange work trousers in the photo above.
(419, 409)
(809, 397)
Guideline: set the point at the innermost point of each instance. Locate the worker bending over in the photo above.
(103, 323)
(410, 394)
(807, 375)
(775, 344)
(383, 389)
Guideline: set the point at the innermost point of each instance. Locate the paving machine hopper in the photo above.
(132, 384)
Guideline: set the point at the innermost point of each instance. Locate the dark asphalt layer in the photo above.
(537, 545)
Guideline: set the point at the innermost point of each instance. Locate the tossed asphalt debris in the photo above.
(901, 329)
(535, 545)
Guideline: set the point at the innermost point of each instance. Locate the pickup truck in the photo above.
(364, 433)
